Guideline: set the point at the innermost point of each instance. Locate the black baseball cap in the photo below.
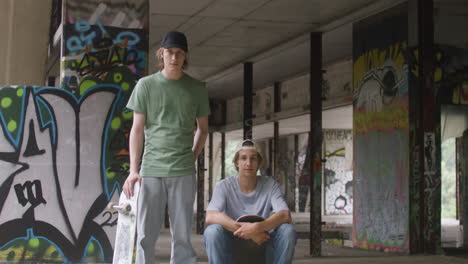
(175, 39)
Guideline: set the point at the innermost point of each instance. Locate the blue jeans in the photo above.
(279, 248)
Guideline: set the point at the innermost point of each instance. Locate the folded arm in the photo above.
(257, 231)
(216, 217)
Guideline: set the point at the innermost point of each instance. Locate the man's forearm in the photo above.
(215, 217)
(136, 148)
(275, 220)
(199, 141)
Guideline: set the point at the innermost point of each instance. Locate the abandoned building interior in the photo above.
(360, 109)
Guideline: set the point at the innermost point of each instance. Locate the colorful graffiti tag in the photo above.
(338, 174)
(381, 135)
(450, 73)
(64, 151)
(53, 189)
(286, 170)
(106, 43)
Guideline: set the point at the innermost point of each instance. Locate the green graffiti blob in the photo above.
(11, 104)
(32, 250)
(127, 115)
(85, 85)
(34, 243)
(93, 254)
(6, 102)
(19, 92)
(116, 123)
(110, 174)
(125, 86)
(12, 126)
(118, 77)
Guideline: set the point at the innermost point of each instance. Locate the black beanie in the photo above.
(175, 39)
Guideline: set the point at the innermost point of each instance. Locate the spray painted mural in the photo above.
(286, 170)
(451, 73)
(303, 173)
(451, 88)
(338, 174)
(105, 42)
(64, 151)
(54, 181)
(381, 135)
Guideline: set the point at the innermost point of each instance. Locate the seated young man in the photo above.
(247, 194)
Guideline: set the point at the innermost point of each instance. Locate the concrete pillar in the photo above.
(296, 177)
(276, 168)
(210, 166)
(223, 155)
(276, 109)
(430, 132)
(464, 189)
(23, 50)
(380, 131)
(105, 44)
(315, 143)
(201, 192)
(248, 100)
(425, 142)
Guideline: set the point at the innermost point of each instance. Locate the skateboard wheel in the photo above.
(110, 206)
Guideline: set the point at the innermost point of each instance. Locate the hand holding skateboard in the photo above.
(130, 182)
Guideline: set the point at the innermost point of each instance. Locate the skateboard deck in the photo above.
(126, 227)
(247, 251)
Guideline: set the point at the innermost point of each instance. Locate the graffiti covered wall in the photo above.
(286, 172)
(303, 172)
(338, 174)
(106, 42)
(381, 132)
(53, 195)
(64, 151)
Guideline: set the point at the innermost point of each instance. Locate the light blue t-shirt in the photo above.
(264, 200)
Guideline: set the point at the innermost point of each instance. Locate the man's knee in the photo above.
(213, 232)
(287, 233)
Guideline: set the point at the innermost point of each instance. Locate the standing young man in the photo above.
(166, 106)
(247, 194)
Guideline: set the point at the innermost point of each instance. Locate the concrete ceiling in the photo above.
(273, 34)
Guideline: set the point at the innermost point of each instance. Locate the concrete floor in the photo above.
(330, 254)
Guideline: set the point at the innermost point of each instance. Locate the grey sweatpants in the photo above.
(179, 193)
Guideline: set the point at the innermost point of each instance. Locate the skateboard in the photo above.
(247, 251)
(126, 226)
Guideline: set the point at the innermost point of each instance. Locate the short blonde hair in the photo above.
(250, 144)
(159, 55)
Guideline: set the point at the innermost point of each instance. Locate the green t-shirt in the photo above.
(171, 108)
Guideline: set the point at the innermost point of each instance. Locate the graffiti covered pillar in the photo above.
(106, 42)
(64, 151)
(380, 131)
(425, 143)
(429, 130)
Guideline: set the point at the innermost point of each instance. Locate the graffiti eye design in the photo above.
(389, 84)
